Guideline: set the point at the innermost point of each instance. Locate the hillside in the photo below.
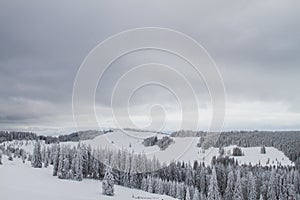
(21, 181)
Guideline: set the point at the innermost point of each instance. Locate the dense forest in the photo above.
(223, 179)
(286, 141)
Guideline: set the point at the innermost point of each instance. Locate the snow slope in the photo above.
(21, 181)
(183, 148)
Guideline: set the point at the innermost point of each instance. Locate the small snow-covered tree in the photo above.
(0, 157)
(263, 150)
(37, 156)
(108, 183)
(213, 190)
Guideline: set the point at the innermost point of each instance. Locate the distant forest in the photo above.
(286, 141)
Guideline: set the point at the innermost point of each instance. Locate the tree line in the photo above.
(224, 179)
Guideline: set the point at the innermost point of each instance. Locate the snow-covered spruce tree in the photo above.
(196, 195)
(187, 194)
(0, 157)
(55, 157)
(60, 168)
(46, 158)
(78, 164)
(150, 184)
(179, 190)
(108, 183)
(263, 150)
(202, 196)
(213, 190)
(172, 189)
(37, 156)
(230, 185)
(272, 185)
(252, 187)
(144, 185)
(238, 194)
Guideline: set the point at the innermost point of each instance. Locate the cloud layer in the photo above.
(255, 44)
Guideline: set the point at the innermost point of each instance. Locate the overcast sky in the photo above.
(255, 44)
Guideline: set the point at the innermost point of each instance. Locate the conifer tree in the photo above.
(37, 156)
(213, 190)
(0, 157)
(78, 164)
(272, 186)
(237, 194)
(187, 194)
(230, 186)
(252, 187)
(108, 183)
(196, 195)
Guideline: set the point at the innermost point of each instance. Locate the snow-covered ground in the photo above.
(21, 181)
(183, 148)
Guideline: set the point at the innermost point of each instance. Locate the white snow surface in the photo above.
(21, 181)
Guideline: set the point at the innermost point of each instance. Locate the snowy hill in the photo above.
(182, 149)
(21, 181)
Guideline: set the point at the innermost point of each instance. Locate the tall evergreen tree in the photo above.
(196, 195)
(230, 185)
(37, 156)
(108, 183)
(78, 164)
(252, 187)
(187, 194)
(272, 185)
(238, 194)
(213, 190)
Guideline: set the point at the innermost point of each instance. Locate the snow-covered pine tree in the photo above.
(202, 196)
(179, 190)
(61, 163)
(172, 190)
(150, 184)
(160, 187)
(37, 156)
(272, 185)
(144, 185)
(230, 185)
(203, 182)
(238, 193)
(0, 157)
(213, 190)
(46, 157)
(55, 156)
(187, 194)
(78, 164)
(196, 195)
(252, 187)
(108, 183)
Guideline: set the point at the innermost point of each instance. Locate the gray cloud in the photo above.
(42, 44)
